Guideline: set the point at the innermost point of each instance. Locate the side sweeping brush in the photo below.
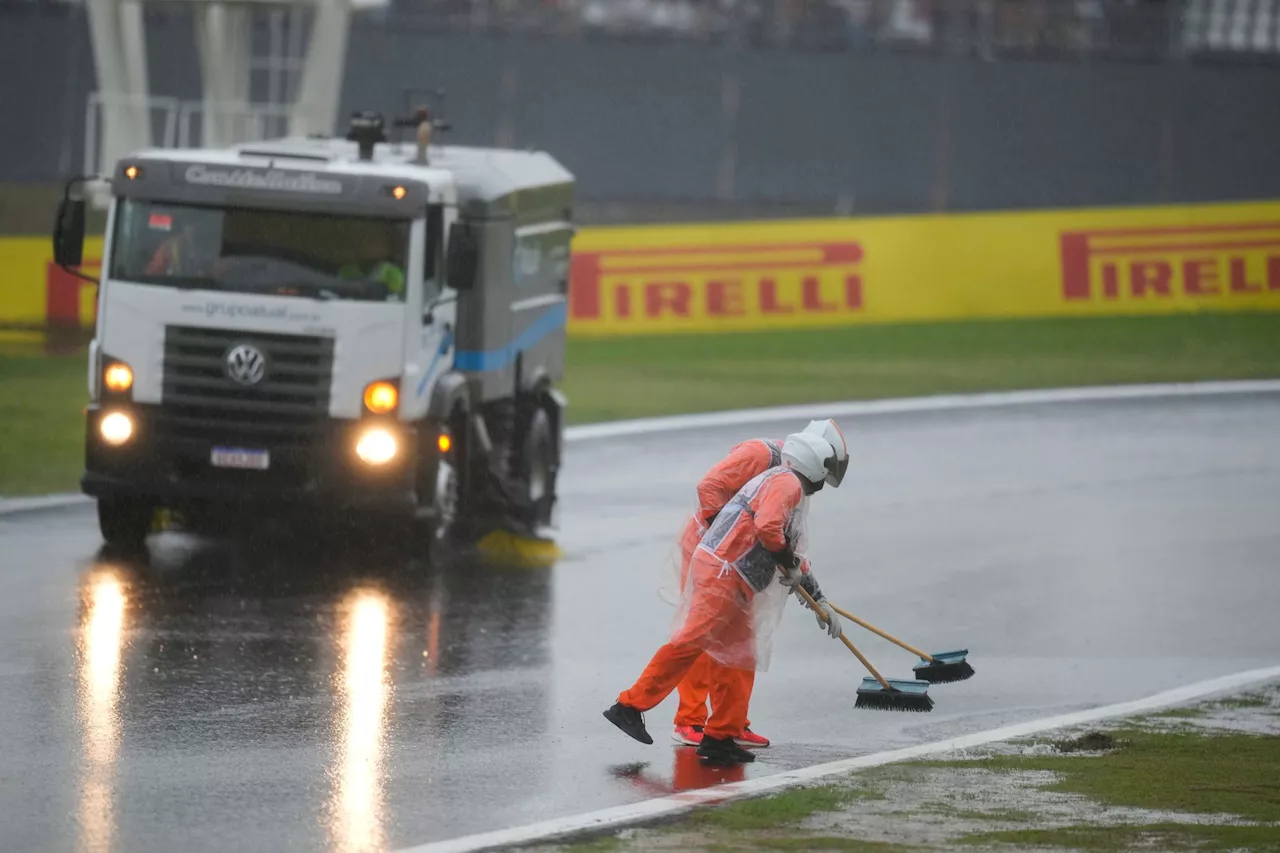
(878, 693)
(504, 548)
(942, 668)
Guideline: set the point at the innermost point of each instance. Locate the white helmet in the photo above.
(812, 457)
(828, 430)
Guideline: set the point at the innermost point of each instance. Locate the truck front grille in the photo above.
(288, 407)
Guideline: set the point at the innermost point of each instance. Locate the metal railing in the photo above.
(174, 123)
(990, 29)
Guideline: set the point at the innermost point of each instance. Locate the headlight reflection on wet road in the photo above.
(357, 806)
(99, 654)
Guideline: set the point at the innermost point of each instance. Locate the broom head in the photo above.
(901, 696)
(945, 667)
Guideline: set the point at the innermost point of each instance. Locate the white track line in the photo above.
(685, 801)
(813, 411)
(936, 403)
(12, 506)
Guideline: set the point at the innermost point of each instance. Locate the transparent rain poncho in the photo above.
(745, 461)
(731, 602)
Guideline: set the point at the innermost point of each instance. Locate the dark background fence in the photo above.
(776, 109)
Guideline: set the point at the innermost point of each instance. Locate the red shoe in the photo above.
(688, 735)
(750, 738)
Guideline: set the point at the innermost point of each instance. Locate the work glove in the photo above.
(833, 622)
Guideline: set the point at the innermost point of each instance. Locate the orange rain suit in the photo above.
(720, 609)
(715, 489)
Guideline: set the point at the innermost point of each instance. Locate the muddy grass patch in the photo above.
(1208, 780)
(1150, 837)
(1088, 742)
(789, 807)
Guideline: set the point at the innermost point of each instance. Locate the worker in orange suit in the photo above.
(745, 460)
(733, 596)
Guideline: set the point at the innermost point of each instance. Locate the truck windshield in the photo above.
(273, 252)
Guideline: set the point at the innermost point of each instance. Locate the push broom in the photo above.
(879, 693)
(942, 668)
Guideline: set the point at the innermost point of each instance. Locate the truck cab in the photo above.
(328, 326)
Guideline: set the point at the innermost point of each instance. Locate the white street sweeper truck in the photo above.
(343, 327)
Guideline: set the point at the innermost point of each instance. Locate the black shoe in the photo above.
(723, 751)
(629, 720)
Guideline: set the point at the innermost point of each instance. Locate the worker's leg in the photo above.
(693, 689)
(693, 693)
(715, 606)
(731, 687)
(665, 670)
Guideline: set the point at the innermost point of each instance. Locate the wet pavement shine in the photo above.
(285, 692)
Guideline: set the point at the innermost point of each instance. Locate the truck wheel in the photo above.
(446, 490)
(540, 466)
(124, 523)
(444, 498)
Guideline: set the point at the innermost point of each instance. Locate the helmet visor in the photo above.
(835, 470)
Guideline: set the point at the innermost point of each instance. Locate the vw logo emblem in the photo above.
(246, 365)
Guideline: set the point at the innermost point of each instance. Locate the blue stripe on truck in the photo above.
(496, 359)
(445, 343)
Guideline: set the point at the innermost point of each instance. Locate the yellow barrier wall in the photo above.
(35, 292)
(943, 267)
(796, 273)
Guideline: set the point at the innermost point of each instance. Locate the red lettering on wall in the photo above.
(1153, 276)
(811, 287)
(584, 285)
(622, 300)
(62, 292)
(1110, 281)
(853, 292)
(769, 298)
(673, 295)
(1200, 276)
(1240, 278)
(1074, 251)
(724, 298)
(1206, 257)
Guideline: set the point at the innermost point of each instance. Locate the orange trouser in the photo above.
(696, 685)
(719, 611)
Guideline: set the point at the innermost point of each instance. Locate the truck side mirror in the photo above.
(461, 258)
(68, 233)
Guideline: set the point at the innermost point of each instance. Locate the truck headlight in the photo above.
(377, 446)
(118, 377)
(381, 397)
(116, 428)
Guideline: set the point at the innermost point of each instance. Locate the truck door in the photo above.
(436, 340)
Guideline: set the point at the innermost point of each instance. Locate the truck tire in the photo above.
(124, 523)
(443, 491)
(539, 465)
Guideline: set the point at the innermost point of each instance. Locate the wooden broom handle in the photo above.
(818, 610)
(873, 629)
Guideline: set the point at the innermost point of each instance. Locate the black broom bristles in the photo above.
(944, 673)
(901, 696)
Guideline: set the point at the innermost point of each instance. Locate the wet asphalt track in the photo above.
(288, 696)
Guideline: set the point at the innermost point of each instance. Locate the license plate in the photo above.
(236, 457)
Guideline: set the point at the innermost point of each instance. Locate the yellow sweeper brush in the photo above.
(506, 548)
